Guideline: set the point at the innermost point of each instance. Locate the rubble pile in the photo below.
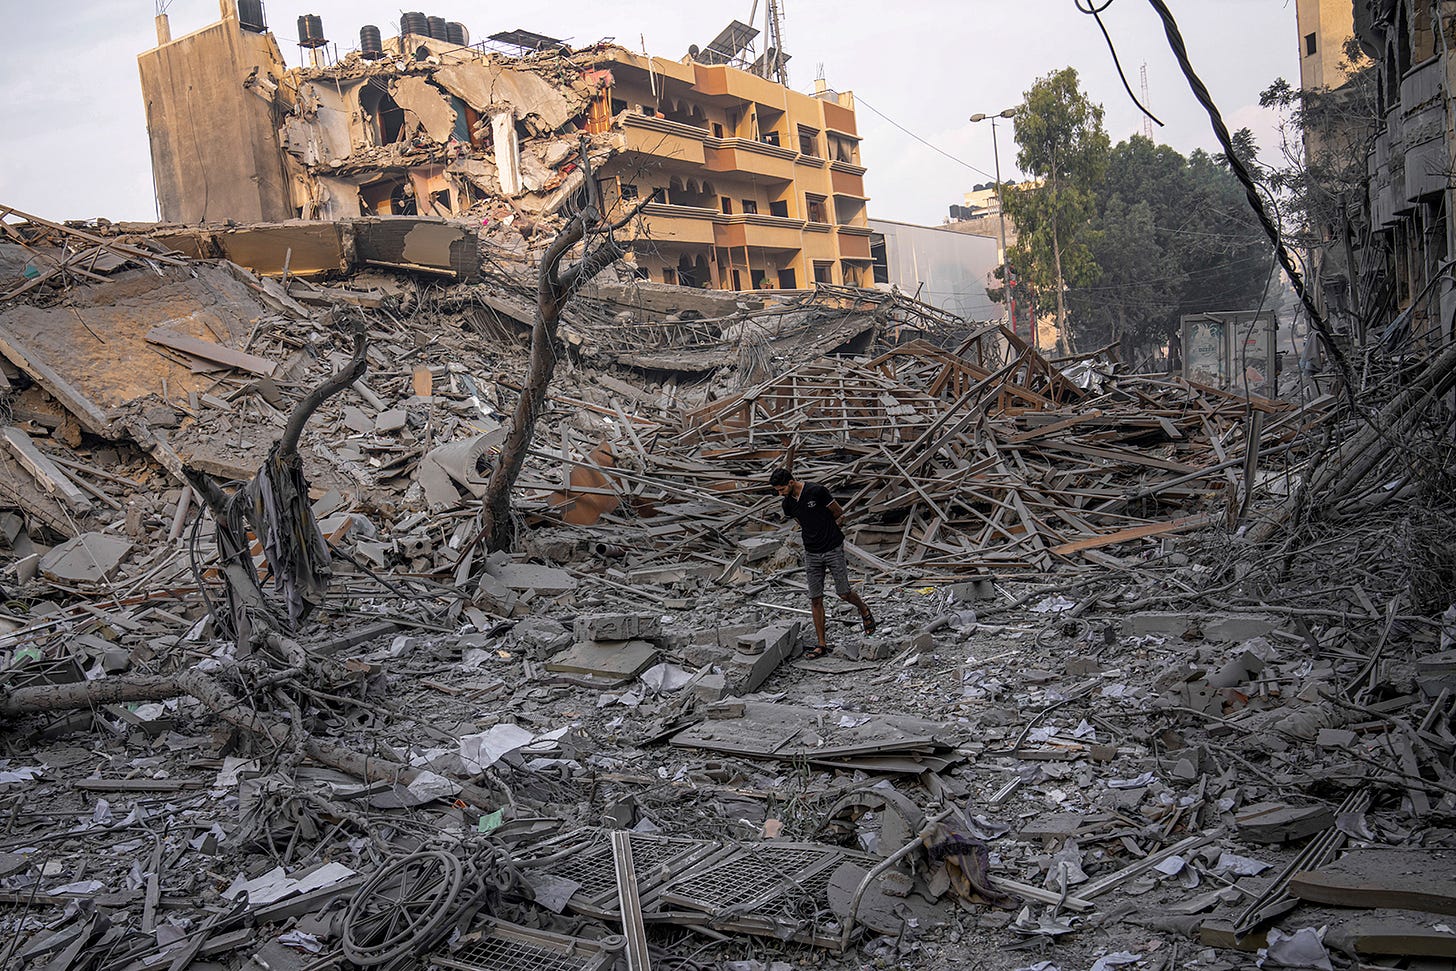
(1098, 726)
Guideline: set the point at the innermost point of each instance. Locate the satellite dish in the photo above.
(693, 51)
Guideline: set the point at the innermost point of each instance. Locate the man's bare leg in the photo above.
(864, 611)
(816, 605)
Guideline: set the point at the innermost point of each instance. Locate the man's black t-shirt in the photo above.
(811, 509)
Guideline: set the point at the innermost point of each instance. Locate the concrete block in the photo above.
(875, 649)
(746, 673)
(1082, 667)
(711, 687)
(617, 627)
(769, 639)
(757, 548)
(728, 635)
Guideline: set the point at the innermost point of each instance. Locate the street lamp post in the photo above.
(1001, 210)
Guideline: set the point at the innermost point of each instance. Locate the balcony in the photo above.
(1421, 132)
(768, 232)
(846, 184)
(679, 224)
(658, 137)
(747, 155)
(854, 242)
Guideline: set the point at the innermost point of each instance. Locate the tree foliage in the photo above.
(1062, 144)
(1172, 236)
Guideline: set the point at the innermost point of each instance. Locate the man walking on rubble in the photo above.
(819, 516)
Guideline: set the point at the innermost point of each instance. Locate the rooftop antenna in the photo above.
(775, 67)
(1147, 122)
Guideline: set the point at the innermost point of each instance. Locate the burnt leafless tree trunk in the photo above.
(274, 505)
(554, 288)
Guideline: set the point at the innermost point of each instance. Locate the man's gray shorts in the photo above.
(816, 564)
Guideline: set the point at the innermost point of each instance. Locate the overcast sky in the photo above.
(76, 141)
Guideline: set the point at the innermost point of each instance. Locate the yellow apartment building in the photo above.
(755, 185)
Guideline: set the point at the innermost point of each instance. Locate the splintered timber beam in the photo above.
(217, 699)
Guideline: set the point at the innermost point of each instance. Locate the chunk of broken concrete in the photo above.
(89, 558)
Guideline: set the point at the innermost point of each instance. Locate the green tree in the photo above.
(1207, 254)
(1063, 145)
(1139, 284)
(1319, 180)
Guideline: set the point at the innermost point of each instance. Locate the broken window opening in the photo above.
(1309, 45)
(669, 275)
(717, 130)
(386, 117)
(823, 272)
(750, 206)
(402, 200)
(779, 208)
(618, 106)
(727, 206)
(814, 205)
(441, 201)
(628, 191)
(808, 141)
(788, 280)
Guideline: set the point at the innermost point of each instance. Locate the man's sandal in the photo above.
(868, 620)
(816, 652)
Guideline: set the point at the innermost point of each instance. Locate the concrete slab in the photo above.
(612, 662)
(89, 558)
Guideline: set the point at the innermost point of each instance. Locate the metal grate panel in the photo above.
(508, 948)
(749, 878)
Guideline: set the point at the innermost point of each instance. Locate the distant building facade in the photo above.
(936, 265)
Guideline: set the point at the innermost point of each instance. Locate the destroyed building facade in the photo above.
(754, 185)
(1406, 241)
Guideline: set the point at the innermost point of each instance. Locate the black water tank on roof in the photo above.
(311, 31)
(250, 16)
(437, 28)
(456, 33)
(371, 44)
(414, 22)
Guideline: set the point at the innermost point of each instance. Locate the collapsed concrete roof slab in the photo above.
(308, 248)
(486, 87)
(423, 101)
(410, 243)
(99, 341)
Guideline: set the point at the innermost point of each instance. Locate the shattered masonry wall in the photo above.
(214, 149)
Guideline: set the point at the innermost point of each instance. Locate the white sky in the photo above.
(76, 141)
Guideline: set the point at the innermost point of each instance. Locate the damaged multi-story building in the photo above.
(1400, 245)
(754, 185)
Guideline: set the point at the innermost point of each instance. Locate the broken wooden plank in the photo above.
(45, 472)
(1131, 533)
(209, 351)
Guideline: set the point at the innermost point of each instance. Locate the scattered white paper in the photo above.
(81, 887)
(666, 677)
(275, 885)
(1305, 948)
(428, 785)
(1171, 866)
(301, 941)
(1146, 779)
(1053, 605)
(479, 752)
(1240, 866)
(232, 767)
(1115, 960)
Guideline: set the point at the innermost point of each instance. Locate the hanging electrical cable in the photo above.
(1087, 7)
(1251, 189)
